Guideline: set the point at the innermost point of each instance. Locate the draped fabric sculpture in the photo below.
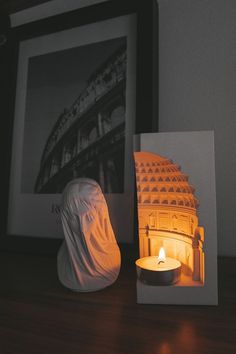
(89, 258)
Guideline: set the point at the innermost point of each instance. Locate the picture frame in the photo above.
(146, 87)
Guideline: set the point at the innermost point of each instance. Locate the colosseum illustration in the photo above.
(167, 214)
(88, 139)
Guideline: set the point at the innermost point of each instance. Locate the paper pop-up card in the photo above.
(175, 181)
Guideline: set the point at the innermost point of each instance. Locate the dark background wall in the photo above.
(197, 66)
(198, 89)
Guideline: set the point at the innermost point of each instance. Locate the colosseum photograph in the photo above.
(75, 118)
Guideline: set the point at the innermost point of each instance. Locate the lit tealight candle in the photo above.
(159, 270)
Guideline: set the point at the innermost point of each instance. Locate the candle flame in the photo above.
(162, 256)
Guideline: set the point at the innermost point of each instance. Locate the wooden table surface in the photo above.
(39, 316)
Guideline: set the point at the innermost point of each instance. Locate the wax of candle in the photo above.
(152, 263)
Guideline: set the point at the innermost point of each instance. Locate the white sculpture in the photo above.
(89, 258)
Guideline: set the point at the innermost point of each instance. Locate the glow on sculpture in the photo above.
(89, 258)
(167, 215)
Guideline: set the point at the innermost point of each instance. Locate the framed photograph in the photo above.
(177, 218)
(84, 86)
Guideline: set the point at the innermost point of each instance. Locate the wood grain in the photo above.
(38, 315)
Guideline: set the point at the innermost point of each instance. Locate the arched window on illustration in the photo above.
(172, 224)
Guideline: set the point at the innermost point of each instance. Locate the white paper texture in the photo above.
(194, 152)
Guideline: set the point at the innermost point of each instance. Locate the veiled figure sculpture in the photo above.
(89, 258)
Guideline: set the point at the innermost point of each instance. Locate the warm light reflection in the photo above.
(164, 348)
(167, 215)
(162, 255)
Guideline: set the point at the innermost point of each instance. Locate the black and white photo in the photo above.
(75, 113)
(75, 118)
